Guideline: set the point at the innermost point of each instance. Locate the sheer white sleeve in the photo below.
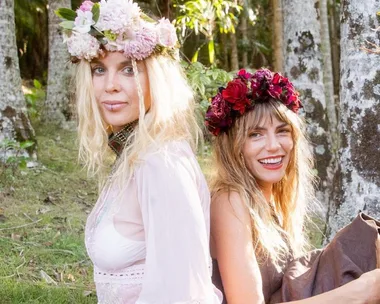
(176, 232)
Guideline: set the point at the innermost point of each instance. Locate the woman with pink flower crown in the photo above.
(261, 191)
(148, 234)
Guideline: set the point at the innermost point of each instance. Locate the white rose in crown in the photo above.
(83, 21)
(166, 34)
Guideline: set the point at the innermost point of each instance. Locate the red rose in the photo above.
(236, 93)
(244, 74)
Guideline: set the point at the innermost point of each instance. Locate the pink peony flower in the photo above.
(166, 33)
(83, 46)
(118, 15)
(86, 6)
(142, 45)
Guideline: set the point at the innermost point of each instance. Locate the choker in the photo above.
(117, 141)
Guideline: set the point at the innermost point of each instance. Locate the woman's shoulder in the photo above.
(166, 154)
(229, 202)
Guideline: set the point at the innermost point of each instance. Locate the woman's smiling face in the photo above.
(266, 150)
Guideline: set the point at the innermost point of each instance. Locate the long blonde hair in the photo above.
(170, 117)
(277, 230)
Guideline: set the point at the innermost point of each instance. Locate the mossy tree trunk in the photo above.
(57, 108)
(303, 64)
(14, 120)
(360, 116)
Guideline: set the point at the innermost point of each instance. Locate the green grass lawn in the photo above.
(42, 217)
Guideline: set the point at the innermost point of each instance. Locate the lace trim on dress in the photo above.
(132, 275)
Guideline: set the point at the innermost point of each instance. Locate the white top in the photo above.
(149, 242)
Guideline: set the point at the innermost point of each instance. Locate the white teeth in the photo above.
(271, 160)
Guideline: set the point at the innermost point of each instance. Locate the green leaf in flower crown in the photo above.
(95, 12)
(68, 25)
(110, 36)
(147, 18)
(66, 13)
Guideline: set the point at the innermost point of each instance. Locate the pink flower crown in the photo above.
(243, 92)
(116, 26)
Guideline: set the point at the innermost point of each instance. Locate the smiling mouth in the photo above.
(271, 161)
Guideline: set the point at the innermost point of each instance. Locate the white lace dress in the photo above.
(150, 242)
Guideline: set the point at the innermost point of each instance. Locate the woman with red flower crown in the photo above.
(148, 234)
(261, 191)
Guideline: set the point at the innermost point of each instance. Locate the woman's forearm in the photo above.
(350, 293)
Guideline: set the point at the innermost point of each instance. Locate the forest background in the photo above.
(328, 48)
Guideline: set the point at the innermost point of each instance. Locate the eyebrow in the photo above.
(258, 128)
(97, 61)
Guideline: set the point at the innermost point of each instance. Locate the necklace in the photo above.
(117, 141)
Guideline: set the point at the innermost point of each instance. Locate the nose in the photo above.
(272, 143)
(112, 83)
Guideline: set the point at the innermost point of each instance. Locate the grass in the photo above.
(42, 217)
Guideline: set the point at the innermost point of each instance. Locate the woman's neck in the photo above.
(267, 192)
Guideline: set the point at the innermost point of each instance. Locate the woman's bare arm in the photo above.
(232, 246)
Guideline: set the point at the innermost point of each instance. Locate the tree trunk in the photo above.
(330, 101)
(303, 65)
(360, 116)
(234, 53)
(57, 108)
(224, 50)
(277, 39)
(14, 121)
(245, 41)
(335, 44)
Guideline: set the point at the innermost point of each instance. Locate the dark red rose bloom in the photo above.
(218, 115)
(275, 91)
(277, 78)
(220, 107)
(236, 94)
(263, 75)
(244, 74)
(236, 91)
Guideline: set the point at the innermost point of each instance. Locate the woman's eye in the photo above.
(98, 70)
(128, 70)
(254, 134)
(286, 130)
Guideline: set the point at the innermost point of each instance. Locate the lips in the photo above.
(113, 105)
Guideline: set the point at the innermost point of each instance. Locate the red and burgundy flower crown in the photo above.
(243, 92)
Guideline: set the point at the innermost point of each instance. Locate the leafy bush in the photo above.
(34, 99)
(205, 82)
(12, 153)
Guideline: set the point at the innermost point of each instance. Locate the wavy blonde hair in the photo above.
(170, 117)
(277, 230)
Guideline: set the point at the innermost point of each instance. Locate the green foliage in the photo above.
(66, 13)
(34, 99)
(203, 16)
(205, 81)
(12, 153)
(31, 18)
(95, 12)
